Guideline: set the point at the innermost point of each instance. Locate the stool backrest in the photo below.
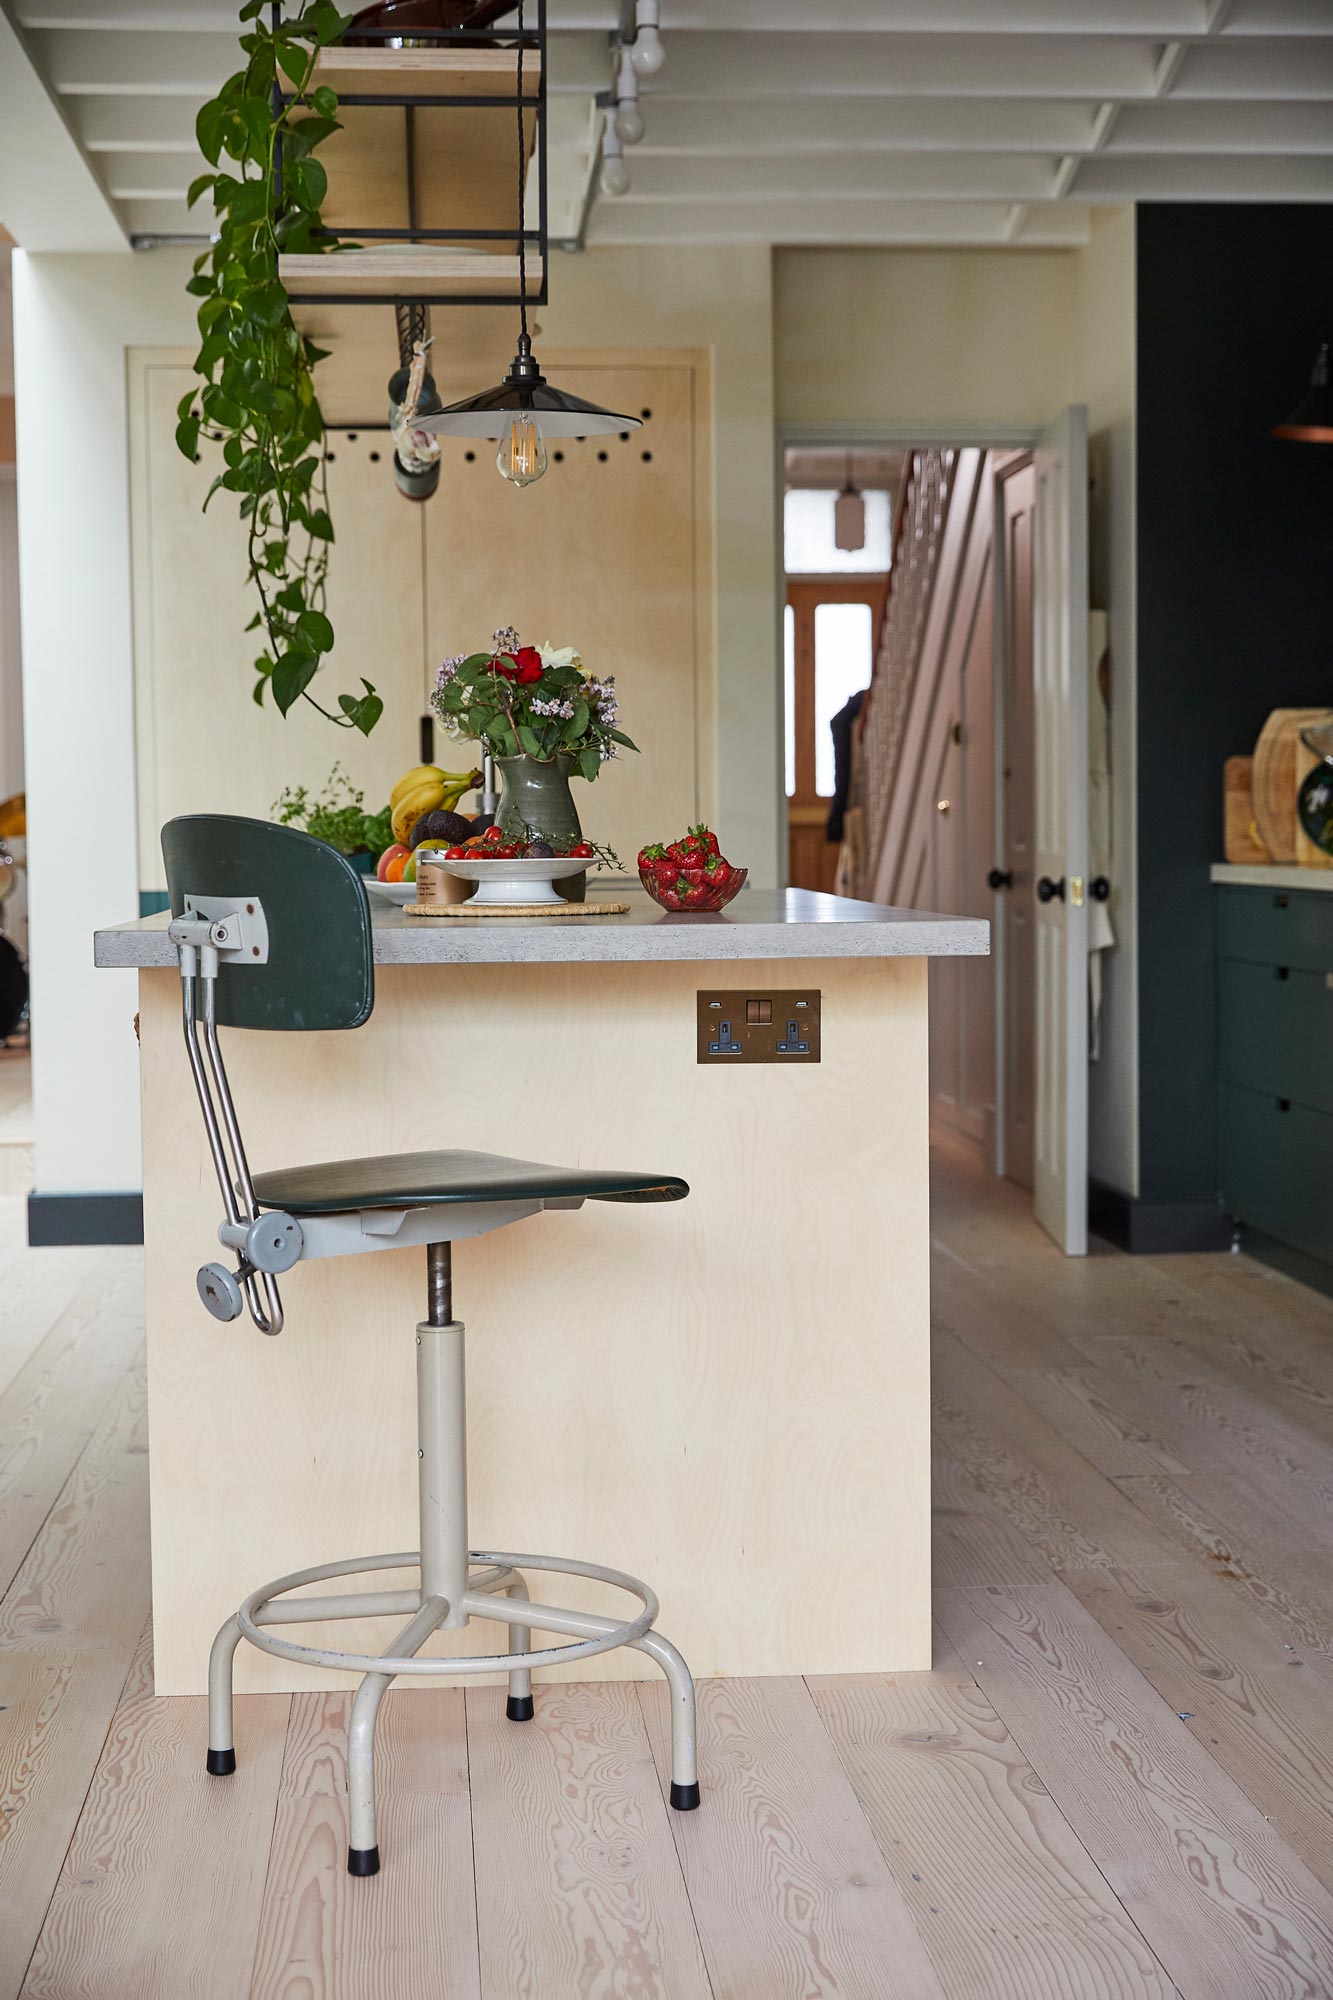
(320, 970)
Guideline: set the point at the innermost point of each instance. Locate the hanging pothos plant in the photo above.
(257, 367)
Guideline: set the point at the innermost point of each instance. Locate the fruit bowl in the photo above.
(708, 899)
(517, 881)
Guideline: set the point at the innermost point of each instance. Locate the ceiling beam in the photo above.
(799, 123)
(1196, 177)
(849, 177)
(866, 223)
(50, 198)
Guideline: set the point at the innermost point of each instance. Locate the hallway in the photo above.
(1114, 1783)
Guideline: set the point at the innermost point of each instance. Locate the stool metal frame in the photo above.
(456, 1583)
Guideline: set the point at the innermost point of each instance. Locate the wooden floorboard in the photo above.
(411, 1929)
(1007, 1899)
(1116, 1782)
(160, 1892)
(1225, 1904)
(69, 1625)
(788, 1886)
(579, 1892)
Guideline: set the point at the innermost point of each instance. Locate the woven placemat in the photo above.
(515, 909)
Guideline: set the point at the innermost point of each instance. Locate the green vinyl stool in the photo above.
(272, 930)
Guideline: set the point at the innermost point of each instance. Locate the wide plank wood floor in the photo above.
(1117, 1782)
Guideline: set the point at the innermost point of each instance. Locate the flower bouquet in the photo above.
(531, 701)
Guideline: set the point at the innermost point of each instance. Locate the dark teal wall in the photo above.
(1235, 603)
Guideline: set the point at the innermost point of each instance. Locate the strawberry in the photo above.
(706, 838)
(653, 852)
(665, 872)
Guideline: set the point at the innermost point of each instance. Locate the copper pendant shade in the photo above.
(1311, 422)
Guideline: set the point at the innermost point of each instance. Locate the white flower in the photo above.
(559, 656)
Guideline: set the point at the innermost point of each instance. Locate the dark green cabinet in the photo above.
(1275, 1038)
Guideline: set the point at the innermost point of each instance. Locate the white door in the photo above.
(1060, 731)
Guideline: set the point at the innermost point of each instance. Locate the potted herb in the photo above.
(543, 717)
(337, 816)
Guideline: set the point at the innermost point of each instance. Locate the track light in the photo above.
(615, 174)
(629, 118)
(646, 52)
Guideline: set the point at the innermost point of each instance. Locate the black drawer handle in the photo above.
(1282, 972)
(1280, 902)
(1284, 1104)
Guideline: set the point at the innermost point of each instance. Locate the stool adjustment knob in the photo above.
(220, 1291)
(273, 1242)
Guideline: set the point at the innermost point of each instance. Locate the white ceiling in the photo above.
(810, 121)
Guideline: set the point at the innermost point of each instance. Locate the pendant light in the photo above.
(524, 410)
(1311, 422)
(849, 515)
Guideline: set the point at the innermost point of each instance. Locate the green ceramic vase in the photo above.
(537, 795)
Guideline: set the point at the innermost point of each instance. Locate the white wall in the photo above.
(74, 316)
(957, 338)
(1105, 301)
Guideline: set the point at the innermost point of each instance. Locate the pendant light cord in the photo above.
(522, 162)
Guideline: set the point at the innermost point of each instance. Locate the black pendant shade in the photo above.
(525, 391)
(1311, 422)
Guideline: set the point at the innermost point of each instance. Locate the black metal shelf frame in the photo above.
(410, 102)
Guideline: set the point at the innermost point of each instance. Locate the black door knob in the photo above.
(1099, 889)
(1047, 891)
(1000, 878)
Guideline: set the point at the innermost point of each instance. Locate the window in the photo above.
(808, 546)
(844, 637)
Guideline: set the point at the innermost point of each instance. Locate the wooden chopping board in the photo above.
(1240, 838)
(1280, 762)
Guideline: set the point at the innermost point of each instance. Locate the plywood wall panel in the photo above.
(727, 1395)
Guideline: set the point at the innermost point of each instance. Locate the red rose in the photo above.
(502, 666)
(527, 665)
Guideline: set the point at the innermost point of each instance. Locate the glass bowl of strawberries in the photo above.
(690, 875)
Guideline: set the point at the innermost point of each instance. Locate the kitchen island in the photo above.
(727, 1396)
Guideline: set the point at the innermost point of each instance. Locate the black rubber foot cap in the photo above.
(221, 1763)
(519, 1708)
(363, 1861)
(685, 1798)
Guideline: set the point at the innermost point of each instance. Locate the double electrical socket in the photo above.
(759, 1026)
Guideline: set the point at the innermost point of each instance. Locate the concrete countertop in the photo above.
(776, 924)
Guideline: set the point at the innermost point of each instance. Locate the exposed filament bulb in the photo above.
(522, 454)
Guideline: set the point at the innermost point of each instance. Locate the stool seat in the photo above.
(414, 1180)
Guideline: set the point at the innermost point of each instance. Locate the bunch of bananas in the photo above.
(426, 788)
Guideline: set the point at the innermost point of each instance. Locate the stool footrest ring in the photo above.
(588, 1634)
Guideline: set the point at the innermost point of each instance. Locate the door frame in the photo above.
(857, 437)
(997, 1159)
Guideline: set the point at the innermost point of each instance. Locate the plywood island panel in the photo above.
(726, 1396)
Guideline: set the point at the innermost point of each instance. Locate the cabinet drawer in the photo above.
(1275, 1168)
(1275, 1031)
(1277, 927)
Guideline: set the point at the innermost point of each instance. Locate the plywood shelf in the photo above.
(427, 72)
(409, 271)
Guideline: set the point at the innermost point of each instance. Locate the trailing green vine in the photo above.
(257, 367)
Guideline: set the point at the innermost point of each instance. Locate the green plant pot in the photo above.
(537, 795)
